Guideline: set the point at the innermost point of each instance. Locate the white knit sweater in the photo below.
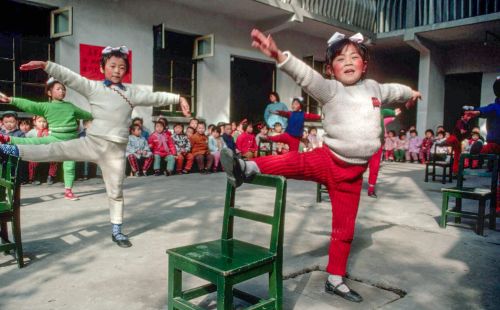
(111, 112)
(351, 119)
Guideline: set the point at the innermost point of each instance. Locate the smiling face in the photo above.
(115, 69)
(40, 123)
(348, 67)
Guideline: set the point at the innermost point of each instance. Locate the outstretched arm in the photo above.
(312, 117)
(37, 108)
(69, 78)
(282, 113)
(312, 82)
(157, 99)
(392, 92)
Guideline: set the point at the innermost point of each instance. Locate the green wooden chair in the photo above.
(320, 190)
(10, 193)
(460, 192)
(228, 261)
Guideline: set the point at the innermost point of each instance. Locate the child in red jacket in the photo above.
(161, 144)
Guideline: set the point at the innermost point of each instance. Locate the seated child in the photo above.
(440, 150)
(138, 153)
(9, 125)
(260, 139)
(304, 142)
(183, 149)
(228, 138)
(279, 148)
(313, 138)
(215, 145)
(200, 151)
(390, 145)
(161, 144)
(39, 131)
(245, 143)
(414, 143)
(401, 148)
(425, 148)
(25, 125)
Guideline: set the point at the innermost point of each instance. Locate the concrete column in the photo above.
(430, 110)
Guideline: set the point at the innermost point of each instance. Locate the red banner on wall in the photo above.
(90, 57)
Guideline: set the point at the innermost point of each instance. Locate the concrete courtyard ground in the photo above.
(400, 258)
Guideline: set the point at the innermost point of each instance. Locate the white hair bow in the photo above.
(51, 80)
(337, 36)
(122, 49)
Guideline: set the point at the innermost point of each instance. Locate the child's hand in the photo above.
(397, 111)
(33, 65)
(184, 107)
(413, 100)
(266, 45)
(4, 98)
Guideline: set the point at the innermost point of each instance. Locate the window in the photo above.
(311, 105)
(174, 69)
(203, 47)
(61, 22)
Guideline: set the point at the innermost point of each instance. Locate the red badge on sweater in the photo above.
(376, 102)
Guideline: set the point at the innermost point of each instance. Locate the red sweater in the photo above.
(161, 144)
(246, 143)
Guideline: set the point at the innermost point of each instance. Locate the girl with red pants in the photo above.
(351, 107)
(295, 127)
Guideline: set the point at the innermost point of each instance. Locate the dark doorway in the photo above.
(460, 90)
(251, 83)
(21, 41)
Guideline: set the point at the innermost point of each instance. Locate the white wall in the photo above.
(130, 23)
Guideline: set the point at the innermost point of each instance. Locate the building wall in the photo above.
(129, 23)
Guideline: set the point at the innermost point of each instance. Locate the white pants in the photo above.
(109, 155)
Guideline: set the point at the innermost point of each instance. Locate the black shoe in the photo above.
(372, 194)
(185, 171)
(157, 173)
(50, 180)
(122, 243)
(351, 295)
(232, 167)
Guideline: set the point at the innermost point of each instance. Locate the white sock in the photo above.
(249, 167)
(336, 280)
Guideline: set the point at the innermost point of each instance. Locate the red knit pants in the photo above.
(343, 182)
(374, 167)
(293, 142)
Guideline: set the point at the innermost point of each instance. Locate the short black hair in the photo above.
(217, 130)
(336, 48)
(246, 125)
(429, 130)
(107, 56)
(135, 119)
(133, 127)
(179, 124)
(275, 94)
(414, 131)
(496, 87)
(312, 128)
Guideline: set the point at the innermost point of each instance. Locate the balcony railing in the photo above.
(389, 15)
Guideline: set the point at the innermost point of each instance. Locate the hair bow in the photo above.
(337, 36)
(122, 49)
(51, 80)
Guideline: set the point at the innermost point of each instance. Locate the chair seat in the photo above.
(225, 257)
(4, 206)
(468, 190)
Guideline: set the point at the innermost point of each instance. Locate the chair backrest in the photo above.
(492, 158)
(448, 153)
(277, 220)
(8, 183)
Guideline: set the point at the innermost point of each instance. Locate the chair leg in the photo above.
(433, 173)
(458, 208)
(426, 173)
(4, 235)
(480, 217)
(444, 209)
(174, 283)
(224, 294)
(492, 215)
(443, 178)
(276, 286)
(318, 193)
(16, 232)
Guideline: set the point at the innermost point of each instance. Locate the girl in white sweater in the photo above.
(351, 107)
(111, 105)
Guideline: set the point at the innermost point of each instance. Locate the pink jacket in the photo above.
(161, 144)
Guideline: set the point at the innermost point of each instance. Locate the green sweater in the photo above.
(60, 115)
